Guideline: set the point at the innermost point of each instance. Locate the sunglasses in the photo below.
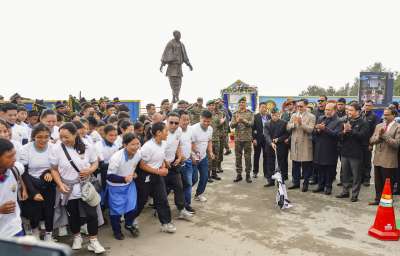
(321, 100)
(175, 123)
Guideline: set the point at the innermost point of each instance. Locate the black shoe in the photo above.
(255, 176)
(119, 236)
(354, 199)
(342, 195)
(373, 203)
(210, 180)
(366, 184)
(133, 230)
(215, 177)
(339, 184)
(219, 170)
(228, 152)
(313, 182)
(328, 191)
(294, 186)
(248, 179)
(305, 188)
(318, 190)
(238, 178)
(190, 209)
(269, 184)
(285, 177)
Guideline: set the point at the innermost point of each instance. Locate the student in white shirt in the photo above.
(121, 188)
(6, 133)
(173, 160)
(188, 179)
(151, 177)
(91, 127)
(49, 118)
(19, 133)
(68, 181)
(201, 145)
(10, 184)
(124, 126)
(22, 115)
(82, 126)
(35, 156)
(105, 150)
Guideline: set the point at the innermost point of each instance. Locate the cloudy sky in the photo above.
(50, 49)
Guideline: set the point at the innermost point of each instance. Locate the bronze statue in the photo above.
(174, 55)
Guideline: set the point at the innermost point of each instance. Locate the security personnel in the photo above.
(195, 111)
(242, 122)
(217, 123)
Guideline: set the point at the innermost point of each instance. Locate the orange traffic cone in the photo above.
(384, 227)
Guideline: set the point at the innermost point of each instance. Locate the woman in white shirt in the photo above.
(35, 156)
(68, 181)
(124, 126)
(121, 188)
(6, 133)
(49, 118)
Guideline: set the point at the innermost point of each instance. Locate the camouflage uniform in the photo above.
(243, 139)
(195, 113)
(216, 141)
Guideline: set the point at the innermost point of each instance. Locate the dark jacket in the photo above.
(372, 120)
(352, 143)
(258, 128)
(326, 141)
(276, 130)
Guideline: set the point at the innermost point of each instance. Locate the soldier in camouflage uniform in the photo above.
(195, 111)
(216, 124)
(224, 133)
(242, 122)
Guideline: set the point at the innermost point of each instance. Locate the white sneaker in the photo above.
(185, 215)
(36, 233)
(200, 198)
(42, 226)
(168, 228)
(62, 231)
(48, 237)
(77, 244)
(84, 229)
(95, 246)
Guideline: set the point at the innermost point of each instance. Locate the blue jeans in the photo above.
(202, 168)
(188, 181)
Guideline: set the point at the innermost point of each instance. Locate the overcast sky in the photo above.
(50, 49)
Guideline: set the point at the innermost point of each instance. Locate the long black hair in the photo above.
(39, 127)
(79, 146)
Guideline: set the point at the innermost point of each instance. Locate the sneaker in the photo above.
(77, 244)
(133, 230)
(190, 209)
(42, 226)
(95, 246)
(119, 236)
(48, 237)
(84, 229)
(62, 231)
(200, 198)
(36, 233)
(168, 228)
(185, 215)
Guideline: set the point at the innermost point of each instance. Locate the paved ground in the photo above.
(241, 219)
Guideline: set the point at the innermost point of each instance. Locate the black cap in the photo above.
(342, 100)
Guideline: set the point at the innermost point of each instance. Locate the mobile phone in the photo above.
(28, 245)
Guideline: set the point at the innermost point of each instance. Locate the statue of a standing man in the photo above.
(174, 55)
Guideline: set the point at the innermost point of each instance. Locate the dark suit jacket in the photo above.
(258, 128)
(276, 130)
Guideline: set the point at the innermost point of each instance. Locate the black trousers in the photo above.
(36, 211)
(258, 149)
(381, 174)
(173, 181)
(74, 208)
(326, 174)
(301, 167)
(366, 165)
(147, 184)
(282, 150)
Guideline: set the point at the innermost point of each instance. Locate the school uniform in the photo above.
(105, 150)
(19, 133)
(10, 224)
(76, 208)
(173, 180)
(55, 134)
(17, 147)
(153, 154)
(95, 136)
(122, 196)
(37, 164)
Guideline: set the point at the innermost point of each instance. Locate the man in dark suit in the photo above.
(275, 133)
(326, 137)
(260, 120)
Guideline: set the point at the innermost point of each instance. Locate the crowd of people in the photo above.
(79, 169)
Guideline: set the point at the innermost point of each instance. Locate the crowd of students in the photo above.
(60, 168)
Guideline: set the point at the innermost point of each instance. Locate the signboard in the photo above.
(376, 86)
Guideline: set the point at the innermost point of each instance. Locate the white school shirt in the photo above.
(186, 142)
(67, 172)
(18, 147)
(19, 133)
(55, 134)
(105, 152)
(37, 161)
(121, 165)
(173, 140)
(201, 138)
(96, 137)
(10, 224)
(153, 154)
(118, 141)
